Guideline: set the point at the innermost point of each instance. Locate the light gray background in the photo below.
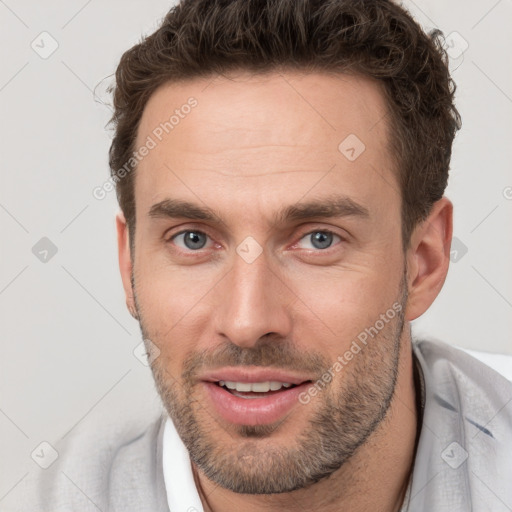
(68, 341)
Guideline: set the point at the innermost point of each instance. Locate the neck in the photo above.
(375, 478)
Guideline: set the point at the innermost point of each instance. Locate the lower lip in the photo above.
(254, 411)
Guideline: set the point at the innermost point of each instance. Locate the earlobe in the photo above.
(428, 258)
(125, 262)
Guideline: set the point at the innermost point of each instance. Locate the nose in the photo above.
(253, 302)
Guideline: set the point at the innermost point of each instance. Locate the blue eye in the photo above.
(192, 240)
(320, 239)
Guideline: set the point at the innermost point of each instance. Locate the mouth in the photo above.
(253, 397)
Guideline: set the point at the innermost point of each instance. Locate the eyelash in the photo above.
(303, 235)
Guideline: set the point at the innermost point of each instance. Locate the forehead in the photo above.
(287, 129)
(329, 104)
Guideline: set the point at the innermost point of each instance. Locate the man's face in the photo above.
(299, 256)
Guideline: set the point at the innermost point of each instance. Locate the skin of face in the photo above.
(261, 290)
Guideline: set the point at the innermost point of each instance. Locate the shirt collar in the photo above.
(182, 495)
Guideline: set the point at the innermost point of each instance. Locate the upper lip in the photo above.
(239, 374)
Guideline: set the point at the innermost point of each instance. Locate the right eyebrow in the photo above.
(178, 209)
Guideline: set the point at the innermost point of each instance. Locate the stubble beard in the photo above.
(244, 459)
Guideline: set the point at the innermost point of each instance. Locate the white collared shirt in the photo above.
(182, 495)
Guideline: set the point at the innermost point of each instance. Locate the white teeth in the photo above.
(256, 387)
(262, 387)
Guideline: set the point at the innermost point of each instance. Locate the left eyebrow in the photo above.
(329, 207)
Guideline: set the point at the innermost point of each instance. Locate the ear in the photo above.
(428, 258)
(125, 262)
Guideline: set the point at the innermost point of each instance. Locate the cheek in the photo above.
(174, 311)
(168, 294)
(334, 309)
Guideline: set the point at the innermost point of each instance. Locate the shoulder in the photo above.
(457, 381)
(463, 455)
(101, 464)
(451, 369)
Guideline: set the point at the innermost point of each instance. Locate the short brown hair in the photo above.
(377, 39)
